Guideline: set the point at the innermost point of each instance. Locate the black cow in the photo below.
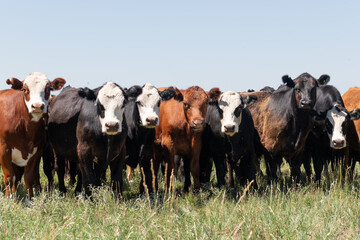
(327, 141)
(142, 116)
(229, 132)
(86, 126)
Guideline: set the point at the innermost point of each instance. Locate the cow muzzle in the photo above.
(37, 108)
(338, 143)
(112, 128)
(151, 122)
(197, 125)
(229, 129)
(306, 104)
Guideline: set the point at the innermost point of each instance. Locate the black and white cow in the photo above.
(142, 116)
(229, 132)
(327, 142)
(90, 130)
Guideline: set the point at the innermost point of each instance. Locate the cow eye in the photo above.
(237, 111)
(158, 104)
(139, 103)
(186, 105)
(25, 90)
(297, 90)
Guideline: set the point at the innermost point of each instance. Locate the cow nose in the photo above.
(198, 124)
(152, 121)
(306, 103)
(37, 107)
(112, 126)
(338, 142)
(229, 128)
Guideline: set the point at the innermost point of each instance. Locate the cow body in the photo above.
(22, 132)
(283, 121)
(142, 116)
(182, 121)
(91, 132)
(234, 139)
(327, 141)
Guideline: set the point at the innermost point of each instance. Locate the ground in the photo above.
(279, 211)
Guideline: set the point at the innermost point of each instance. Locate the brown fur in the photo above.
(352, 101)
(174, 135)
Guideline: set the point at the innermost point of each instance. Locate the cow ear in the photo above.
(133, 92)
(355, 114)
(214, 95)
(178, 95)
(248, 100)
(15, 83)
(87, 93)
(288, 81)
(57, 84)
(167, 94)
(323, 79)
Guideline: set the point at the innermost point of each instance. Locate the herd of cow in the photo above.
(88, 130)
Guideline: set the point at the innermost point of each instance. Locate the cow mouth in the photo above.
(112, 132)
(149, 125)
(229, 133)
(197, 128)
(337, 147)
(37, 111)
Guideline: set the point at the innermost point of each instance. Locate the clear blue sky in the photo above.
(234, 45)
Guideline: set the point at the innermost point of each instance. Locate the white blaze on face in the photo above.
(148, 105)
(336, 118)
(112, 98)
(17, 158)
(228, 103)
(36, 83)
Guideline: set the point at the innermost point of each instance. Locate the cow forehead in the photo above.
(36, 79)
(195, 96)
(230, 99)
(149, 94)
(334, 114)
(110, 92)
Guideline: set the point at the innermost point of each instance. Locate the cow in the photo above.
(182, 121)
(327, 140)
(90, 131)
(283, 120)
(351, 100)
(229, 132)
(22, 131)
(142, 116)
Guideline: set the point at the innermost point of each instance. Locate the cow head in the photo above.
(231, 105)
(110, 103)
(148, 99)
(337, 120)
(304, 88)
(36, 88)
(194, 101)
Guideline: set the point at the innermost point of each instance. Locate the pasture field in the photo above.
(280, 211)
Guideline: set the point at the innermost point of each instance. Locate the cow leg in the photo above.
(220, 166)
(73, 171)
(318, 161)
(60, 170)
(230, 181)
(306, 160)
(248, 168)
(187, 182)
(48, 166)
(295, 169)
(272, 167)
(78, 187)
(86, 166)
(116, 167)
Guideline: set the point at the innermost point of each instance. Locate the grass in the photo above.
(280, 211)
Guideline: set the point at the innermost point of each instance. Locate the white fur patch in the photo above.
(228, 102)
(17, 158)
(36, 82)
(112, 98)
(336, 118)
(148, 104)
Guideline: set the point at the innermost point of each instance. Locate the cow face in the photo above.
(194, 101)
(36, 88)
(304, 88)
(110, 103)
(336, 124)
(231, 105)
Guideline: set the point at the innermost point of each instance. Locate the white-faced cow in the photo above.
(142, 116)
(90, 131)
(22, 129)
(229, 132)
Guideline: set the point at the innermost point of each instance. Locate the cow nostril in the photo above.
(152, 120)
(338, 142)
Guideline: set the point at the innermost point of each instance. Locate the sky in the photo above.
(233, 45)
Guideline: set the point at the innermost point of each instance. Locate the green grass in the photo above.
(281, 211)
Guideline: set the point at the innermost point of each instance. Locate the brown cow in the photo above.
(22, 129)
(283, 120)
(182, 121)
